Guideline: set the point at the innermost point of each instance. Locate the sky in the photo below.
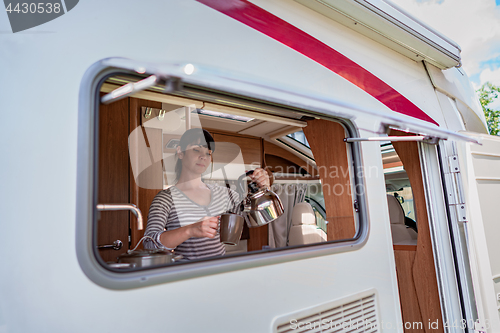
(472, 24)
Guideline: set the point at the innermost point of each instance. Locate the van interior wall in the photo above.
(326, 139)
(416, 273)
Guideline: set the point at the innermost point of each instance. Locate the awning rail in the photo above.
(279, 94)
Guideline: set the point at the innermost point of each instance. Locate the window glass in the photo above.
(299, 136)
(182, 162)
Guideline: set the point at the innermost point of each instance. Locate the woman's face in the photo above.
(195, 159)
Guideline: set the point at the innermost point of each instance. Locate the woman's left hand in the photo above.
(261, 177)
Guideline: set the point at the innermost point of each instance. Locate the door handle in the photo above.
(117, 244)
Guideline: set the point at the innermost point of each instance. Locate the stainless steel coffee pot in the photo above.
(260, 206)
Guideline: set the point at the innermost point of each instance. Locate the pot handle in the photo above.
(253, 186)
(154, 241)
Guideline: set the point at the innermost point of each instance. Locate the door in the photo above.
(412, 237)
(481, 173)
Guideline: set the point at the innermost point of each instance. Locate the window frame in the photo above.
(86, 219)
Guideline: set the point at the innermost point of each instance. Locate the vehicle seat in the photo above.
(401, 234)
(304, 229)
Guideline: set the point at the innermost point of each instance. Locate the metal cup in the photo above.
(231, 227)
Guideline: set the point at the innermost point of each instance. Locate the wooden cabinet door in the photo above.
(116, 182)
(113, 176)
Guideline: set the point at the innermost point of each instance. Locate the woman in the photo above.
(185, 216)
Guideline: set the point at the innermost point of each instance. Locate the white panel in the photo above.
(455, 83)
(474, 120)
(452, 116)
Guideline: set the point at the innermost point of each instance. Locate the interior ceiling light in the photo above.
(222, 115)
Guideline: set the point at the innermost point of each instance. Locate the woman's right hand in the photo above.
(206, 227)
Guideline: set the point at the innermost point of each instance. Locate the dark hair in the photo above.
(193, 136)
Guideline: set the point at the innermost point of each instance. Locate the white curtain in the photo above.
(290, 195)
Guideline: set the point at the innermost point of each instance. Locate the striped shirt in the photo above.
(172, 209)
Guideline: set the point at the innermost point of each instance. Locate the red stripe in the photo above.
(283, 32)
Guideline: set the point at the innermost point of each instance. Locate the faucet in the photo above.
(131, 207)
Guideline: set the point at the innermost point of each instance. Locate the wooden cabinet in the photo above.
(113, 176)
(326, 139)
(116, 182)
(251, 149)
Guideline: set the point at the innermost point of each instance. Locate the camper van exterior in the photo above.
(357, 107)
